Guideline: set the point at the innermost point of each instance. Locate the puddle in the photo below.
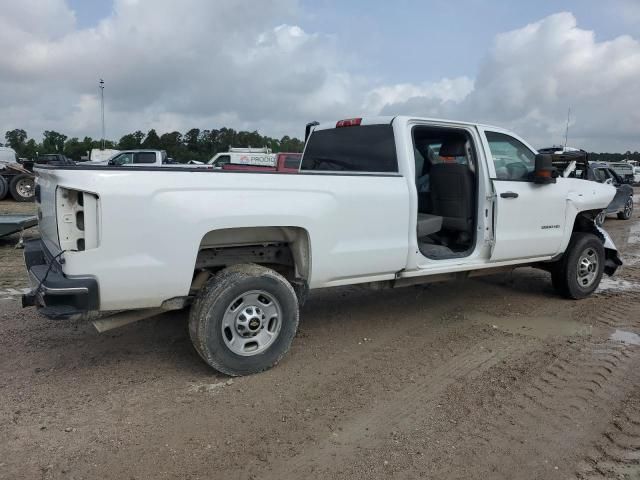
(535, 326)
(629, 338)
(609, 284)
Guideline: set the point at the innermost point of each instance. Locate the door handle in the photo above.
(509, 195)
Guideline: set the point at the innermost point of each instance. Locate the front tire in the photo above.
(244, 319)
(626, 213)
(23, 188)
(579, 272)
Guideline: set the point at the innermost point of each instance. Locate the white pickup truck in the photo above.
(135, 158)
(384, 201)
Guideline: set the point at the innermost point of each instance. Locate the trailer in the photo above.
(17, 181)
(10, 224)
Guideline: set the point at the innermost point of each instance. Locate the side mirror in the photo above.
(111, 162)
(544, 171)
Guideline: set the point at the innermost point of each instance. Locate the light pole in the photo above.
(102, 109)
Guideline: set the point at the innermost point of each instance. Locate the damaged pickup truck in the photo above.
(382, 201)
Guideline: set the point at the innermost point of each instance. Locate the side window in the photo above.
(511, 158)
(145, 157)
(600, 175)
(366, 148)
(222, 160)
(123, 159)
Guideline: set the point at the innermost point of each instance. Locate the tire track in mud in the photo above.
(616, 454)
(371, 427)
(545, 421)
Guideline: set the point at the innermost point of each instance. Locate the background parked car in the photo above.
(575, 163)
(622, 203)
(624, 170)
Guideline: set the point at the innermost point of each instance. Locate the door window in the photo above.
(123, 159)
(512, 159)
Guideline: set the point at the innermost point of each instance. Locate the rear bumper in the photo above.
(56, 295)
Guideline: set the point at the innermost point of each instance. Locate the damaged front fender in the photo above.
(612, 259)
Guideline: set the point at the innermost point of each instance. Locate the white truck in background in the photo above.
(101, 155)
(383, 201)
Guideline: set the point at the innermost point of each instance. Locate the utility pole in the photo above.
(566, 132)
(102, 108)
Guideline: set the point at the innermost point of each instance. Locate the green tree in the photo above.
(17, 139)
(30, 149)
(53, 142)
(152, 140)
(75, 149)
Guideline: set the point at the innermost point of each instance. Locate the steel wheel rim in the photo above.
(628, 207)
(587, 267)
(24, 187)
(600, 218)
(251, 323)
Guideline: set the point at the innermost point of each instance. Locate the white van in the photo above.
(256, 157)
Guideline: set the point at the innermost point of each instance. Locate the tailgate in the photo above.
(46, 184)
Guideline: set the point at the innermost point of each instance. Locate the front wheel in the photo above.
(626, 213)
(580, 270)
(244, 319)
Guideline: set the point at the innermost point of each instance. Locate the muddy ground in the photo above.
(490, 378)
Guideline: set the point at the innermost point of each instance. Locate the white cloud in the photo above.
(445, 90)
(533, 74)
(246, 64)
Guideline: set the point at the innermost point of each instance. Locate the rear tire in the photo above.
(600, 218)
(22, 188)
(626, 213)
(579, 272)
(4, 188)
(244, 319)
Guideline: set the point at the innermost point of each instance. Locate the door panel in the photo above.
(529, 219)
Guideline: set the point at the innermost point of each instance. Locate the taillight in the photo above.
(349, 122)
(77, 216)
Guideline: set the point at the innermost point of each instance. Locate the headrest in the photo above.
(453, 148)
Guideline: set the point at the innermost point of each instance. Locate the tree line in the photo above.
(614, 157)
(195, 144)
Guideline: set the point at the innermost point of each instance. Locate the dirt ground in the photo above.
(490, 378)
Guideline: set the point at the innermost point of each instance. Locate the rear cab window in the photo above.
(357, 148)
(145, 157)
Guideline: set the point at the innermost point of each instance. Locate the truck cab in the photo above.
(144, 158)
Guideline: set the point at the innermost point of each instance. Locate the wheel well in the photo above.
(285, 249)
(584, 222)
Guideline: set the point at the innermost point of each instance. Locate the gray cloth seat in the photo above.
(452, 189)
(428, 224)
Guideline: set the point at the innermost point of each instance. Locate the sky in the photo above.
(274, 65)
